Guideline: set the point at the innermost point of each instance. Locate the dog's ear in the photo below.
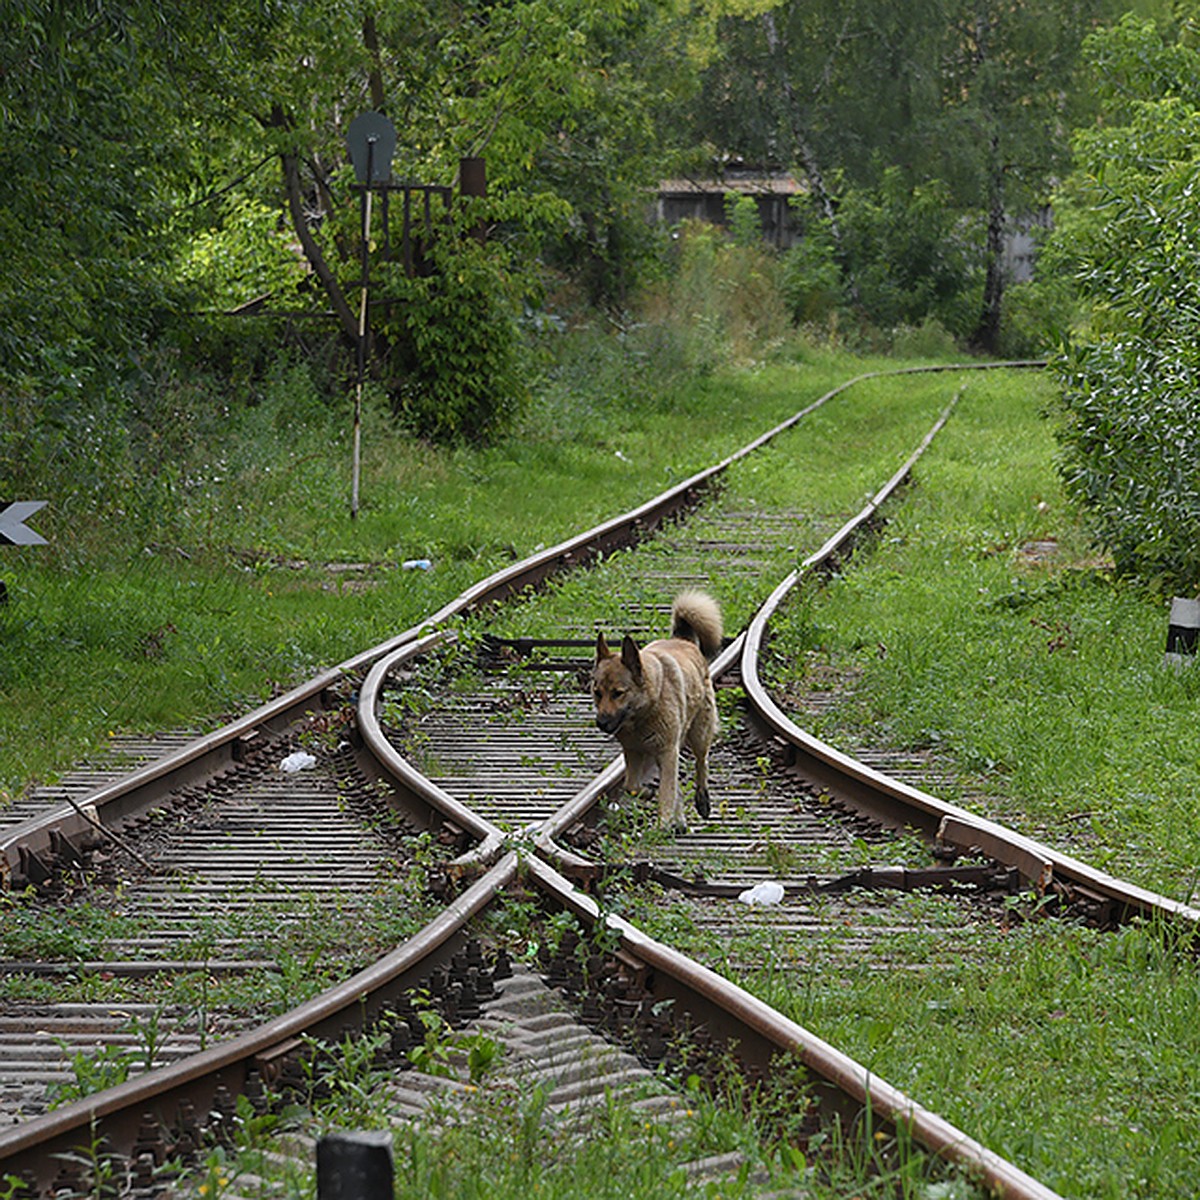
(602, 650)
(632, 659)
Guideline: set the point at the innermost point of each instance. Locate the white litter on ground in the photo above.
(767, 892)
(300, 760)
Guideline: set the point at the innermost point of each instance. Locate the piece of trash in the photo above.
(621, 456)
(416, 564)
(767, 892)
(300, 760)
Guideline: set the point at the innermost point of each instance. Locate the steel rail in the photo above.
(110, 1114)
(545, 832)
(382, 758)
(23, 846)
(735, 654)
(760, 1032)
(898, 804)
(844, 1086)
(116, 1115)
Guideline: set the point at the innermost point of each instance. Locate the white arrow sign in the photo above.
(13, 529)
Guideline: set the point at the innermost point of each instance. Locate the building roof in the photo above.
(758, 183)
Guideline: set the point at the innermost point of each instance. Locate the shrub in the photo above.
(723, 303)
(906, 254)
(1131, 453)
(927, 340)
(810, 278)
(454, 361)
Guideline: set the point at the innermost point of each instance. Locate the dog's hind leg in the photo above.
(702, 801)
(670, 805)
(699, 740)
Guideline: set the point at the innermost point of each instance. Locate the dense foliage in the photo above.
(925, 135)
(163, 166)
(1130, 383)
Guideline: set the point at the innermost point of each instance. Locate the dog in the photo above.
(658, 699)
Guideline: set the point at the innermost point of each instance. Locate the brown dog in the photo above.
(660, 698)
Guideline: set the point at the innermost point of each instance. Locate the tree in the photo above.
(559, 97)
(90, 153)
(967, 97)
(1008, 98)
(769, 97)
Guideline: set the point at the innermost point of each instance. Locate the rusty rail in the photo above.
(117, 1115)
(900, 805)
(27, 849)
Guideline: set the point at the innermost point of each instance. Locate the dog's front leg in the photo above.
(639, 769)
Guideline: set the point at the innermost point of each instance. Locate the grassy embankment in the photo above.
(233, 593)
(981, 626)
(223, 578)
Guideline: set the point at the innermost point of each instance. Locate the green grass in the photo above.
(1040, 681)
(208, 587)
(1067, 1051)
(823, 469)
(1040, 678)
(502, 1140)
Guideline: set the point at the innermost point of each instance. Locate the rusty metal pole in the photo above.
(472, 181)
(362, 327)
(371, 140)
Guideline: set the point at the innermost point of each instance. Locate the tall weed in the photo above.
(724, 303)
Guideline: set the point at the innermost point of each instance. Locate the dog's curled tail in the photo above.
(696, 617)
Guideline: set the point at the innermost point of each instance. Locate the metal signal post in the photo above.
(371, 140)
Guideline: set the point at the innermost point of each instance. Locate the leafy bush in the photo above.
(810, 276)
(454, 361)
(1038, 315)
(1129, 390)
(927, 340)
(1133, 457)
(906, 255)
(242, 257)
(723, 303)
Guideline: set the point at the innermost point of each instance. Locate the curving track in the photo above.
(512, 784)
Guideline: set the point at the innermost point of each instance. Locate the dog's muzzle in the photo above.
(609, 722)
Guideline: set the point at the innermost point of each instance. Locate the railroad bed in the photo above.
(457, 810)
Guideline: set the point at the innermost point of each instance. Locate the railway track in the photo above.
(499, 784)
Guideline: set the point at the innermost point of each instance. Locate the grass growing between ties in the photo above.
(306, 942)
(501, 1138)
(817, 474)
(981, 625)
(977, 624)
